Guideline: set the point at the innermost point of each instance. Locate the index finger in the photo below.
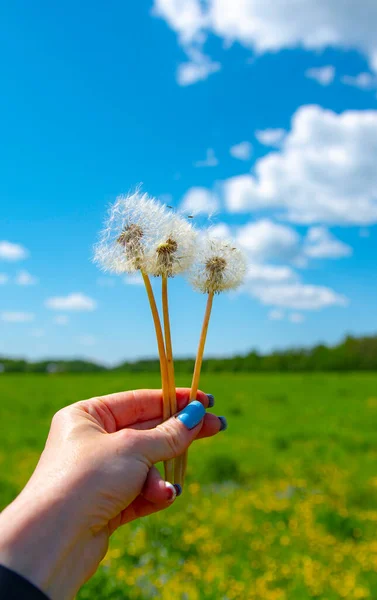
(137, 406)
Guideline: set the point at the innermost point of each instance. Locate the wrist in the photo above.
(40, 543)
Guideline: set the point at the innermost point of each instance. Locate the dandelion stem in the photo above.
(168, 344)
(200, 353)
(182, 460)
(169, 353)
(163, 363)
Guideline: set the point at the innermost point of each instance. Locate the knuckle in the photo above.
(131, 437)
(64, 417)
(58, 416)
(173, 439)
(130, 441)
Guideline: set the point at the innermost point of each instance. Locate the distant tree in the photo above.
(351, 354)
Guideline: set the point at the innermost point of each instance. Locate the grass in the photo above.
(281, 506)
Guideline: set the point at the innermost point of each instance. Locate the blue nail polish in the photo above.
(211, 400)
(192, 414)
(224, 423)
(178, 489)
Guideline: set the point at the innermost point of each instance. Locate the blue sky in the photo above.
(225, 108)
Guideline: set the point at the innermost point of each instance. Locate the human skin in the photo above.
(95, 474)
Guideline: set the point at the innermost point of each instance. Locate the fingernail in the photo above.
(224, 423)
(192, 414)
(211, 400)
(178, 489)
(172, 491)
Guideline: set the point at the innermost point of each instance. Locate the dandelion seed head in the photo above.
(168, 247)
(132, 227)
(132, 234)
(175, 248)
(219, 266)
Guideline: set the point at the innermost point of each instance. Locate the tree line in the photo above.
(352, 354)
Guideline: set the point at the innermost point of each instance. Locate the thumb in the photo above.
(173, 437)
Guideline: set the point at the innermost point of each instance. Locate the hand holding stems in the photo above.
(141, 235)
(95, 474)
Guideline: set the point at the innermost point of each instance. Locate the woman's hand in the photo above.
(95, 474)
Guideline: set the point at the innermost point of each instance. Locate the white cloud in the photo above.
(61, 320)
(266, 274)
(240, 194)
(264, 240)
(363, 81)
(24, 278)
(242, 151)
(276, 315)
(199, 200)
(298, 296)
(320, 243)
(323, 75)
(17, 317)
(273, 25)
(325, 172)
(209, 161)
(183, 16)
(220, 230)
(198, 68)
(74, 301)
(270, 137)
(133, 279)
(86, 340)
(296, 318)
(10, 251)
(279, 285)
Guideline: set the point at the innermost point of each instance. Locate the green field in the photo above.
(281, 506)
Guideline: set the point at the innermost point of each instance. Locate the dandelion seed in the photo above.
(175, 249)
(219, 266)
(131, 229)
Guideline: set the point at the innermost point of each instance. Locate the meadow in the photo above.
(281, 506)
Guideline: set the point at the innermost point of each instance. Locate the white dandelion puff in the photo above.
(219, 266)
(174, 250)
(131, 229)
